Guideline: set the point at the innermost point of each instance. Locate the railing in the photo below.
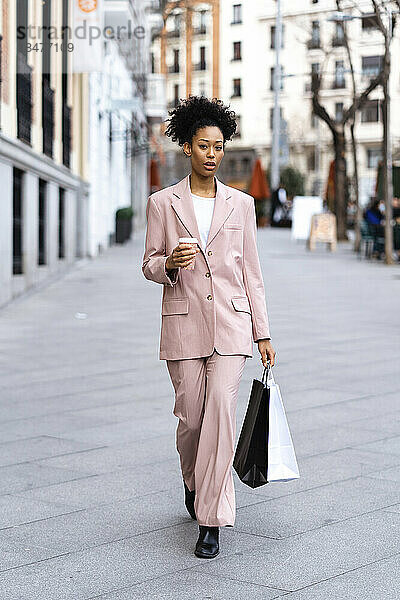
(48, 117)
(201, 66)
(173, 104)
(173, 69)
(24, 100)
(337, 41)
(66, 134)
(173, 33)
(338, 84)
(314, 43)
(202, 30)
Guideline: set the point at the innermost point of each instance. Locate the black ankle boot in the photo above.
(207, 545)
(189, 501)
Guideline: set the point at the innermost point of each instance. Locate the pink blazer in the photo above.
(221, 303)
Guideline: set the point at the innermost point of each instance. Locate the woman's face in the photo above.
(206, 151)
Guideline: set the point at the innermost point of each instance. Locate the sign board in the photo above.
(304, 207)
(87, 36)
(323, 229)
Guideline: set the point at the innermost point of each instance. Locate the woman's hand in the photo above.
(267, 352)
(181, 256)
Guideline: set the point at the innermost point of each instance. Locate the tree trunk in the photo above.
(340, 185)
(358, 216)
(387, 173)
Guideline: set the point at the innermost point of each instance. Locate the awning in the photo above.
(259, 188)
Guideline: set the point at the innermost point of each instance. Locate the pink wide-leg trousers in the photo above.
(206, 391)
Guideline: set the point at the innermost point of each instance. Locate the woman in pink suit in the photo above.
(211, 313)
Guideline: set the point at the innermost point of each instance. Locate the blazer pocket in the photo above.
(175, 306)
(233, 226)
(241, 303)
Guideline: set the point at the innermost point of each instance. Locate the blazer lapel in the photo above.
(183, 206)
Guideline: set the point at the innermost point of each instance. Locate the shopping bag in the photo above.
(251, 457)
(282, 463)
(265, 451)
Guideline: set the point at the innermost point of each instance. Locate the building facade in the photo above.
(43, 192)
(311, 42)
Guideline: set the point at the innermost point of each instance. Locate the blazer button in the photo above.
(207, 274)
(209, 297)
(209, 252)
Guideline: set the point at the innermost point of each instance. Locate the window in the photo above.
(176, 94)
(18, 222)
(311, 160)
(202, 58)
(272, 87)
(61, 222)
(315, 41)
(273, 30)
(369, 22)
(338, 38)
(152, 62)
(374, 155)
(176, 61)
(237, 50)
(238, 132)
(42, 221)
(339, 81)
(246, 165)
(271, 117)
(370, 112)
(339, 111)
(202, 88)
(237, 91)
(314, 121)
(371, 65)
(237, 14)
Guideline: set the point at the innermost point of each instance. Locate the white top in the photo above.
(203, 208)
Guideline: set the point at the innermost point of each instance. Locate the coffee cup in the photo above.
(193, 242)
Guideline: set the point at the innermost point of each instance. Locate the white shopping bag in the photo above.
(282, 463)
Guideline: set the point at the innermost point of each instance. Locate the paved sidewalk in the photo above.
(91, 502)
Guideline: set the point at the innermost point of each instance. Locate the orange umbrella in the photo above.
(155, 183)
(258, 185)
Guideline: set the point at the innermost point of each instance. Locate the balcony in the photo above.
(24, 100)
(338, 84)
(173, 69)
(314, 43)
(47, 117)
(337, 41)
(202, 30)
(173, 104)
(201, 66)
(66, 134)
(173, 33)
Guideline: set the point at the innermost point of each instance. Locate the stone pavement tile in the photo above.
(15, 509)
(188, 585)
(14, 554)
(391, 474)
(309, 558)
(127, 431)
(300, 512)
(322, 469)
(316, 397)
(53, 425)
(25, 450)
(83, 575)
(114, 458)
(111, 487)
(389, 444)
(321, 417)
(377, 581)
(107, 523)
(388, 423)
(26, 476)
(102, 399)
(335, 437)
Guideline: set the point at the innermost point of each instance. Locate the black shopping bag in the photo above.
(251, 456)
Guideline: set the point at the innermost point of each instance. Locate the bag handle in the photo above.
(266, 373)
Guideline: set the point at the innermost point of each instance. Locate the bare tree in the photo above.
(337, 128)
(381, 8)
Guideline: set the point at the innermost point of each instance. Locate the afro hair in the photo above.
(196, 112)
